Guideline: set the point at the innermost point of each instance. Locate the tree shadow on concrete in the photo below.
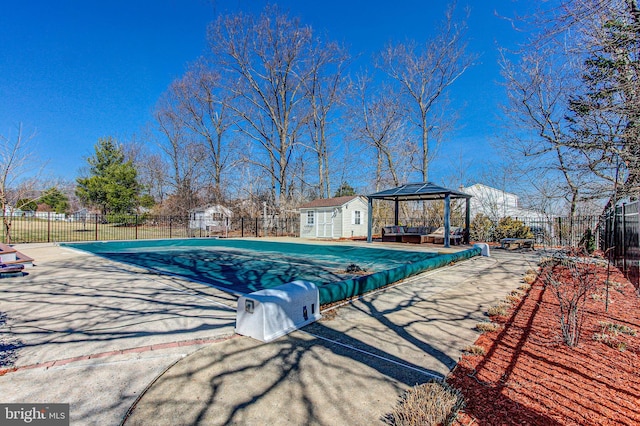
(350, 374)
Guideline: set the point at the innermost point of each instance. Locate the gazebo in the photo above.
(422, 191)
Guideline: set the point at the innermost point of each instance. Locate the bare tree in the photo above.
(184, 155)
(377, 122)
(602, 38)
(270, 59)
(424, 72)
(538, 89)
(202, 106)
(606, 113)
(326, 91)
(17, 175)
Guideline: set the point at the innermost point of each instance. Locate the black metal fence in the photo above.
(97, 227)
(619, 239)
(562, 231)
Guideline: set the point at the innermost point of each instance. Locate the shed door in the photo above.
(325, 224)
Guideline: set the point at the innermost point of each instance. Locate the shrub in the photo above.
(487, 327)
(617, 328)
(431, 403)
(497, 310)
(121, 219)
(512, 298)
(529, 279)
(610, 340)
(525, 287)
(588, 241)
(474, 350)
(481, 228)
(571, 279)
(511, 228)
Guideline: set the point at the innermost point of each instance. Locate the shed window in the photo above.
(310, 217)
(356, 217)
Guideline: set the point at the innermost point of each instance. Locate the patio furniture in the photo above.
(405, 234)
(437, 237)
(517, 243)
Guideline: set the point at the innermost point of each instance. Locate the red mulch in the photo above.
(529, 377)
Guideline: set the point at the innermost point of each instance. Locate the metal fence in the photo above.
(97, 227)
(619, 238)
(552, 232)
(562, 231)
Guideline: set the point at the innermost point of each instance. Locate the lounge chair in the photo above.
(437, 237)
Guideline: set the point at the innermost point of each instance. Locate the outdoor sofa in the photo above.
(437, 237)
(406, 234)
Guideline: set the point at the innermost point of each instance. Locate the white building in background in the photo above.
(214, 218)
(340, 217)
(497, 204)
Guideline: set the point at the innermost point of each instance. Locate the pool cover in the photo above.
(244, 266)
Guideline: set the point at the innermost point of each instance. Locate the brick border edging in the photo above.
(140, 349)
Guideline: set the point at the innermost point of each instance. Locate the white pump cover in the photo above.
(268, 314)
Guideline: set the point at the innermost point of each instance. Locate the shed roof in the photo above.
(329, 202)
(418, 191)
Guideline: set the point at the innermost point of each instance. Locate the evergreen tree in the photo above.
(55, 199)
(112, 184)
(344, 190)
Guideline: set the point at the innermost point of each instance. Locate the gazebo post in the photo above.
(369, 219)
(447, 220)
(396, 215)
(467, 221)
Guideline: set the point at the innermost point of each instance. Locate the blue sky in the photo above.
(75, 71)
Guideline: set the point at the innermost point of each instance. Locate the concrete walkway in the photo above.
(82, 330)
(114, 341)
(350, 368)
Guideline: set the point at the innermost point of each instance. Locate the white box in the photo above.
(268, 314)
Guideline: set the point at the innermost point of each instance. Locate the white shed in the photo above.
(340, 217)
(214, 218)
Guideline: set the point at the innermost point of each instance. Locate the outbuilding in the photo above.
(339, 217)
(212, 219)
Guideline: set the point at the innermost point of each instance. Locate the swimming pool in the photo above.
(241, 266)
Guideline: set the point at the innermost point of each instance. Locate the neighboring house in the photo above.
(210, 218)
(340, 217)
(497, 204)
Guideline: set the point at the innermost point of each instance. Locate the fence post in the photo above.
(256, 227)
(136, 225)
(560, 231)
(624, 237)
(48, 227)
(96, 221)
(242, 227)
(170, 223)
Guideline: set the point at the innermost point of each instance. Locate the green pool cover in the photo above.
(244, 266)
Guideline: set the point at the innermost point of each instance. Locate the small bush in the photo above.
(524, 287)
(487, 327)
(432, 403)
(497, 310)
(610, 340)
(481, 228)
(529, 278)
(588, 241)
(512, 299)
(511, 228)
(617, 328)
(474, 350)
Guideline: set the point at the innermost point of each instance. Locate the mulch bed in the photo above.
(528, 376)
